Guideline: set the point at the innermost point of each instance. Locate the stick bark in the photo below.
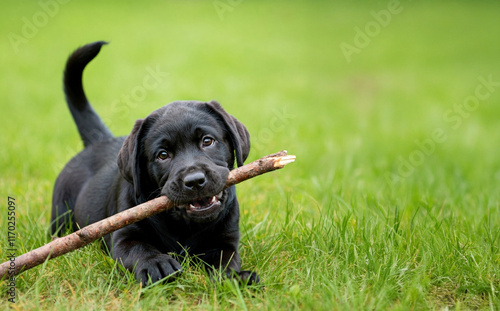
(90, 233)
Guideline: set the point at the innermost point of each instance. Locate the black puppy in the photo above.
(183, 150)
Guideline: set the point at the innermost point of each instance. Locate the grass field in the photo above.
(392, 109)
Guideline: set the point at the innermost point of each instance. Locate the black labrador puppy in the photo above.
(183, 150)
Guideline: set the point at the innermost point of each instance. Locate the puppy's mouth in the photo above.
(204, 205)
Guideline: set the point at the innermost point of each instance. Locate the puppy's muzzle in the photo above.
(197, 190)
(196, 181)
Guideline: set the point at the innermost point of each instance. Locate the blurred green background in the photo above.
(387, 104)
(261, 61)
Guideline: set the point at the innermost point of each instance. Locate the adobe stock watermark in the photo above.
(278, 123)
(153, 79)
(364, 36)
(11, 249)
(454, 117)
(31, 26)
(222, 7)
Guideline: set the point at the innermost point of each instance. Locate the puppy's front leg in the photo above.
(146, 261)
(229, 262)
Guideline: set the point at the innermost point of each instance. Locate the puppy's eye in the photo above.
(207, 141)
(163, 155)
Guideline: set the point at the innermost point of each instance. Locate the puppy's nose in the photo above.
(195, 180)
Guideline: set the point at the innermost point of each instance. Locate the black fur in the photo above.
(183, 150)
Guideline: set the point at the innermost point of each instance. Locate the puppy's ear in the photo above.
(238, 133)
(128, 158)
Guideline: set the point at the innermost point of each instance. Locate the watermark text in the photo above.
(11, 248)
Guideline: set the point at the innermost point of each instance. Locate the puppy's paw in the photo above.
(156, 268)
(244, 277)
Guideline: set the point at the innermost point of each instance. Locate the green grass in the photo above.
(371, 216)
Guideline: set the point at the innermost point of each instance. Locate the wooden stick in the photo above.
(90, 233)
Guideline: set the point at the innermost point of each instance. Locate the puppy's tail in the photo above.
(88, 122)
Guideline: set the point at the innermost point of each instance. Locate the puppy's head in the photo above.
(185, 150)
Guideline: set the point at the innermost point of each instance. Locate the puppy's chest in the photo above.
(182, 239)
